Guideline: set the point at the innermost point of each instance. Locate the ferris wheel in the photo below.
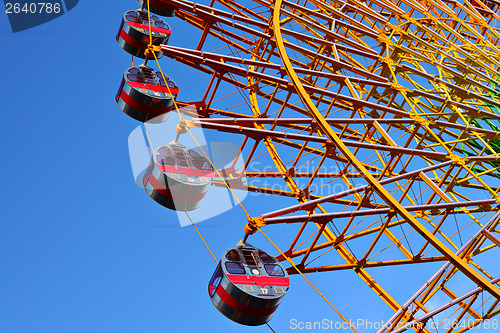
(381, 121)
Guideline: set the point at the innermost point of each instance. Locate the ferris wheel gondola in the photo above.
(178, 177)
(146, 95)
(248, 285)
(134, 34)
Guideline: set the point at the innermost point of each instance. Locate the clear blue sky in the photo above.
(82, 249)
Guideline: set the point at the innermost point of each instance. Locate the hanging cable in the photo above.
(178, 111)
(198, 144)
(305, 278)
(147, 135)
(166, 83)
(218, 173)
(270, 327)
(180, 117)
(458, 230)
(203, 239)
(150, 30)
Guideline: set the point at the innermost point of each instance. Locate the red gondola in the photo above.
(159, 7)
(178, 177)
(134, 37)
(144, 96)
(248, 285)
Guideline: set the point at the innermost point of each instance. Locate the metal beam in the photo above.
(471, 273)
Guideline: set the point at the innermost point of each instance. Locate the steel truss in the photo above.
(394, 102)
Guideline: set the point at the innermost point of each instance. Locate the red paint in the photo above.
(210, 289)
(186, 171)
(261, 281)
(166, 192)
(146, 26)
(132, 41)
(150, 110)
(173, 91)
(241, 307)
